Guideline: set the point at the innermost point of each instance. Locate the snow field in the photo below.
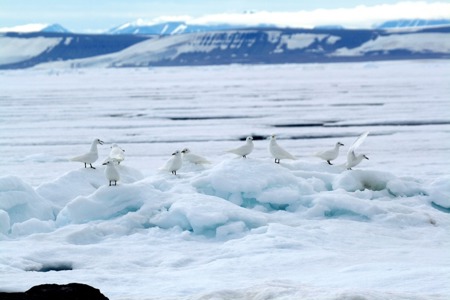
(237, 228)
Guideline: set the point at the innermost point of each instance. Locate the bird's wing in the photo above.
(116, 153)
(169, 163)
(284, 153)
(166, 167)
(197, 159)
(351, 155)
(237, 150)
(323, 153)
(81, 157)
(358, 142)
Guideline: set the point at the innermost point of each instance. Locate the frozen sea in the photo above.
(236, 228)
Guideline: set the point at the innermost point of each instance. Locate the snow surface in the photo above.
(17, 49)
(238, 228)
(25, 28)
(421, 42)
(300, 41)
(160, 49)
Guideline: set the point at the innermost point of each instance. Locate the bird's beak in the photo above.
(174, 153)
(341, 144)
(366, 157)
(100, 142)
(105, 163)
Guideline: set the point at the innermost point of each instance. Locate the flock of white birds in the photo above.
(117, 155)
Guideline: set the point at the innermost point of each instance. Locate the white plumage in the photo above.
(91, 156)
(245, 149)
(111, 172)
(277, 152)
(330, 154)
(353, 159)
(174, 163)
(116, 154)
(193, 158)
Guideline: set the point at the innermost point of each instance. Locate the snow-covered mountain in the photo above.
(413, 23)
(178, 27)
(141, 27)
(35, 28)
(243, 46)
(55, 28)
(167, 28)
(23, 50)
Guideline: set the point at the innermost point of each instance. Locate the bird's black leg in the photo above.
(244, 156)
(115, 182)
(110, 183)
(277, 160)
(329, 162)
(92, 166)
(349, 168)
(84, 165)
(174, 172)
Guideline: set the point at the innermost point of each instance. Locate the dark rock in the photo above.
(71, 291)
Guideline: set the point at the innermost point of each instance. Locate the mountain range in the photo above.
(178, 27)
(167, 28)
(259, 45)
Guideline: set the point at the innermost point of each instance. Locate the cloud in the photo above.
(25, 28)
(358, 17)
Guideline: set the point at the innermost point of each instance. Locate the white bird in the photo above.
(111, 172)
(277, 152)
(91, 156)
(245, 149)
(193, 158)
(174, 163)
(331, 154)
(352, 158)
(116, 154)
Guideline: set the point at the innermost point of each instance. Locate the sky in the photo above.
(101, 15)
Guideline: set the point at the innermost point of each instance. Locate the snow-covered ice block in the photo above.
(106, 203)
(208, 215)
(21, 202)
(439, 191)
(82, 182)
(249, 182)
